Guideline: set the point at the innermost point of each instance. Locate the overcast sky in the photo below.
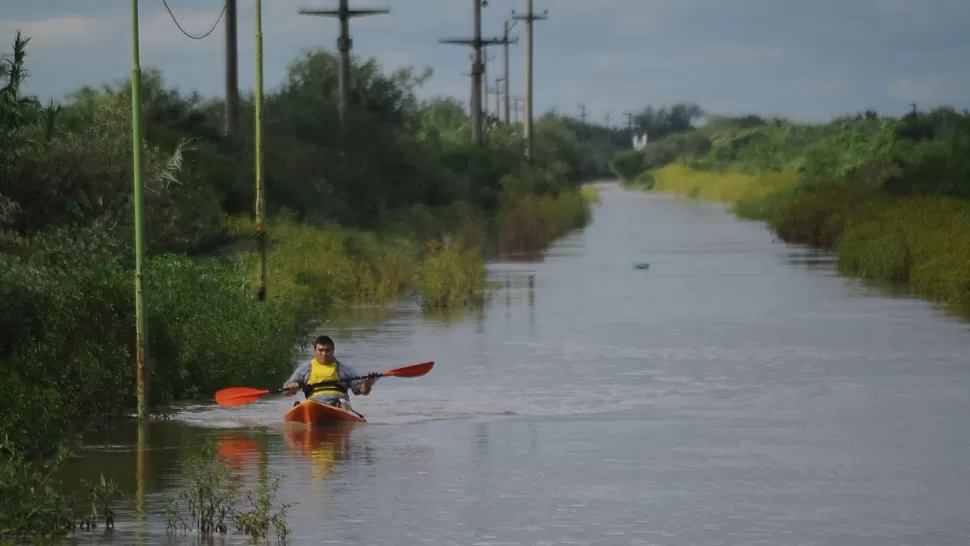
(805, 59)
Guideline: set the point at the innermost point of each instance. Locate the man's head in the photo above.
(323, 350)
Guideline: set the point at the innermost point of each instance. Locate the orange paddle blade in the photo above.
(415, 370)
(238, 396)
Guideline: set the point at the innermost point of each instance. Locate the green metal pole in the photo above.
(260, 233)
(141, 326)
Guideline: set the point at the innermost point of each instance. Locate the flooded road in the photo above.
(736, 392)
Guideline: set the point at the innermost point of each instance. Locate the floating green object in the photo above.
(641, 266)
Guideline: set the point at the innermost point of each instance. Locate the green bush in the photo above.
(645, 181)
(206, 331)
(628, 164)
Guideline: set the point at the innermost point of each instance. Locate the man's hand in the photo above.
(289, 389)
(368, 383)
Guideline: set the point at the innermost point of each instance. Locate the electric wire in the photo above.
(225, 5)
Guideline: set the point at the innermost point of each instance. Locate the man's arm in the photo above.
(345, 372)
(296, 379)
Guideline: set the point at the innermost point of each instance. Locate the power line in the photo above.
(505, 42)
(477, 44)
(232, 70)
(517, 107)
(583, 113)
(207, 33)
(344, 44)
(485, 91)
(497, 91)
(529, 17)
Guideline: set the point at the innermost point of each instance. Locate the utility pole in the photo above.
(505, 42)
(260, 203)
(607, 118)
(141, 322)
(471, 96)
(498, 95)
(517, 108)
(477, 43)
(485, 59)
(629, 121)
(529, 17)
(582, 116)
(345, 44)
(232, 70)
(485, 81)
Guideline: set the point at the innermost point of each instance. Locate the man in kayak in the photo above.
(325, 367)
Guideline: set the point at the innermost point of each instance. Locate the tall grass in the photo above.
(529, 222)
(339, 268)
(817, 215)
(450, 276)
(923, 242)
(751, 195)
(342, 268)
(591, 193)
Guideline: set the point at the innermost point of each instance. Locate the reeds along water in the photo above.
(529, 222)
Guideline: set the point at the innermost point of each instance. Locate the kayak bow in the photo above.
(315, 413)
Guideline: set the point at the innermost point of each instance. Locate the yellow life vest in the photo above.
(324, 372)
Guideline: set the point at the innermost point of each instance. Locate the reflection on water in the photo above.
(142, 470)
(324, 447)
(736, 392)
(814, 260)
(480, 443)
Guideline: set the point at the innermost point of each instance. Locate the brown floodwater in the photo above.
(737, 392)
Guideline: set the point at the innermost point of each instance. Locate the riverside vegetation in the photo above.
(890, 195)
(394, 203)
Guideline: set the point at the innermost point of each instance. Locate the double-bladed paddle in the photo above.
(239, 396)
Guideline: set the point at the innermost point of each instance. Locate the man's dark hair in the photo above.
(324, 340)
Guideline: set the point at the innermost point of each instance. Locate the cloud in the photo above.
(944, 9)
(391, 60)
(56, 32)
(156, 30)
(829, 85)
(610, 62)
(704, 59)
(891, 6)
(159, 30)
(726, 55)
(918, 89)
(818, 58)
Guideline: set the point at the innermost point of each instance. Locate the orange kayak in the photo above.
(315, 413)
